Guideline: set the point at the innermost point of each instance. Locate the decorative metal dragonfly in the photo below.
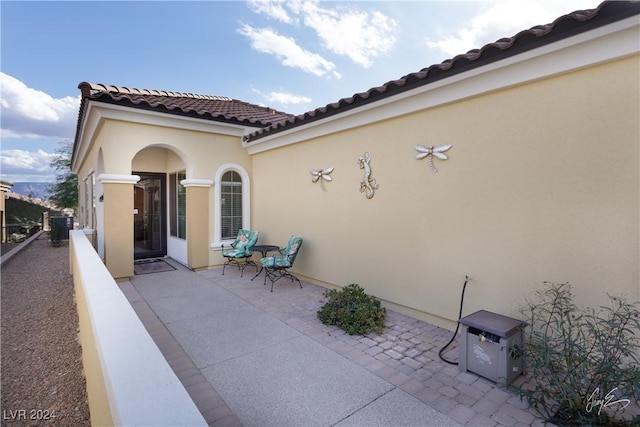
(432, 151)
(321, 175)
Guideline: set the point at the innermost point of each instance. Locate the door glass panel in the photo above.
(149, 229)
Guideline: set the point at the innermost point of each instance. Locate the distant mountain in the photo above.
(37, 190)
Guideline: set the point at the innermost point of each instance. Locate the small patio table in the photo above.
(264, 249)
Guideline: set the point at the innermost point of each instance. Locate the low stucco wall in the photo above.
(128, 380)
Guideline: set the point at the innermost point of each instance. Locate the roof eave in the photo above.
(536, 37)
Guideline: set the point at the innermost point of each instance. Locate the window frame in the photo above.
(176, 189)
(230, 201)
(89, 205)
(246, 201)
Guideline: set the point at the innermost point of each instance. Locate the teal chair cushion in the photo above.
(242, 245)
(275, 262)
(234, 253)
(291, 251)
(288, 255)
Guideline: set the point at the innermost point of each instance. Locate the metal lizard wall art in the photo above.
(368, 185)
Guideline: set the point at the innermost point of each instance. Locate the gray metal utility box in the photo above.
(59, 227)
(491, 346)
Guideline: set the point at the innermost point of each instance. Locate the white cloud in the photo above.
(30, 112)
(356, 34)
(287, 50)
(22, 165)
(272, 8)
(284, 98)
(504, 19)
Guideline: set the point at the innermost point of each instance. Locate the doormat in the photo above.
(151, 266)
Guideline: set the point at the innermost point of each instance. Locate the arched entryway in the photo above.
(150, 215)
(159, 203)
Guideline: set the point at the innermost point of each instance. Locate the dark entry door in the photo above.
(150, 216)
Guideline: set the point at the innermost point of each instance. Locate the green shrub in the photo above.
(583, 363)
(55, 233)
(352, 310)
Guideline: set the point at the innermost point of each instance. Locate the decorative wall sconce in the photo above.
(321, 175)
(432, 151)
(368, 185)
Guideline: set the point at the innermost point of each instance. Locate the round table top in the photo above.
(265, 248)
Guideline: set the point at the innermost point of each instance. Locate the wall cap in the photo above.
(194, 182)
(142, 391)
(109, 178)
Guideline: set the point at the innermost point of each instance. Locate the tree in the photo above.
(64, 193)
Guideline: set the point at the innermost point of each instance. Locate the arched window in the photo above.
(231, 212)
(232, 207)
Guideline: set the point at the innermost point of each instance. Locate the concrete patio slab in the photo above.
(228, 334)
(296, 382)
(397, 408)
(182, 280)
(187, 298)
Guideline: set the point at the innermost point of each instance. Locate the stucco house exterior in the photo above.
(541, 181)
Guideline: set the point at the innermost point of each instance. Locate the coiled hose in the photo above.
(464, 287)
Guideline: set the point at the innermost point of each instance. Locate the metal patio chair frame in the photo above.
(241, 249)
(277, 267)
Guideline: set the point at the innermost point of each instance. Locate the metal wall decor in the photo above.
(368, 185)
(321, 175)
(432, 151)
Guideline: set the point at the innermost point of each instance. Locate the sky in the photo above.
(294, 56)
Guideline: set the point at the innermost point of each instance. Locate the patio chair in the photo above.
(241, 248)
(276, 267)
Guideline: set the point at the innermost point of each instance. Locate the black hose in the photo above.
(464, 287)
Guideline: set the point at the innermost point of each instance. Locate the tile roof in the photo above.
(215, 108)
(563, 27)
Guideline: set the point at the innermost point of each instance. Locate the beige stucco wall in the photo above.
(134, 147)
(97, 389)
(118, 229)
(199, 222)
(200, 151)
(542, 183)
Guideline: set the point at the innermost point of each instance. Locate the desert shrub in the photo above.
(351, 309)
(583, 363)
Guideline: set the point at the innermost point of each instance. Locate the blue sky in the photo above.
(294, 56)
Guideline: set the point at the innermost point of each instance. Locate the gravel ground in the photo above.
(42, 377)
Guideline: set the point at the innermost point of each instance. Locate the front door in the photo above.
(149, 216)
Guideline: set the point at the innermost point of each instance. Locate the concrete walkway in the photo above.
(251, 357)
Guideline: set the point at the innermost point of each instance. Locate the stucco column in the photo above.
(117, 199)
(197, 222)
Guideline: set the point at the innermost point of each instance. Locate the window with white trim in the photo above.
(231, 212)
(177, 205)
(88, 208)
(240, 180)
